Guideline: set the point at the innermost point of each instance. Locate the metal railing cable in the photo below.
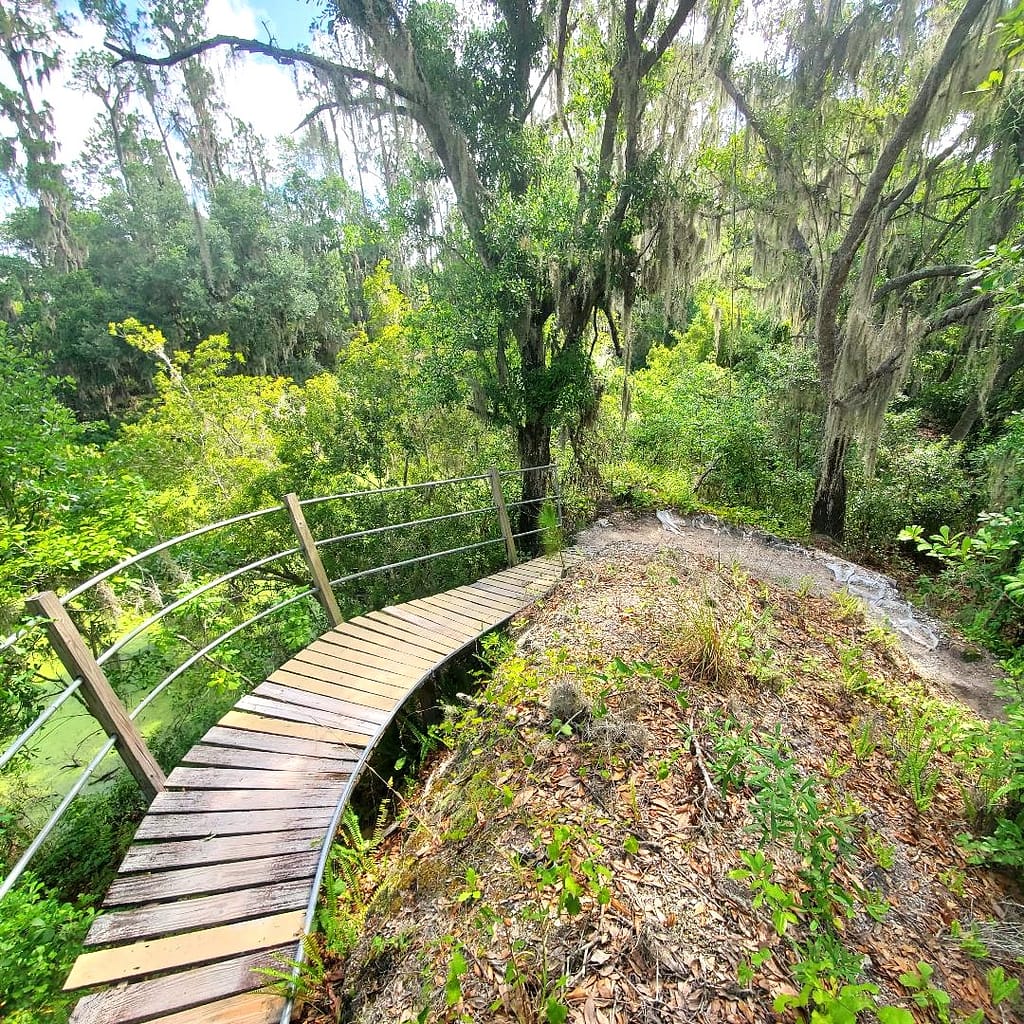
(307, 548)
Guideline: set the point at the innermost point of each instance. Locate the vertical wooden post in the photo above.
(98, 694)
(503, 521)
(312, 557)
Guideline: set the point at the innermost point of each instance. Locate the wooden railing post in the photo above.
(503, 520)
(98, 694)
(309, 552)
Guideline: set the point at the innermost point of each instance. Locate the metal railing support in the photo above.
(322, 582)
(98, 694)
(503, 520)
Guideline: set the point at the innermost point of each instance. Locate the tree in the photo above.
(841, 192)
(29, 157)
(474, 89)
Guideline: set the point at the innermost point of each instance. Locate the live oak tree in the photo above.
(489, 95)
(849, 166)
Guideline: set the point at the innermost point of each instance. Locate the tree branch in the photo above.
(925, 273)
(282, 55)
(958, 314)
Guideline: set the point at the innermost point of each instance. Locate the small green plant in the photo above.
(848, 607)
(472, 890)
(1002, 988)
(805, 587)
(954, 880)
(298, 980)
(748, 967)
(863, 738)
(915, 745)
(757, 874)
(631, 845)
(924, 992)
(883, 853)
(969, 941)
(457, 967)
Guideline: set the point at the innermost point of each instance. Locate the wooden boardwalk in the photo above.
(224, 870)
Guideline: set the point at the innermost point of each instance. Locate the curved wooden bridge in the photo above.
(223, 875)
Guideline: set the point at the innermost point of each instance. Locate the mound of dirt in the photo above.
(686, 792)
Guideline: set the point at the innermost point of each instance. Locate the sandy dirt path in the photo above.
(935, 651)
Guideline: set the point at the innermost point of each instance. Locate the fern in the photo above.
(552, 537)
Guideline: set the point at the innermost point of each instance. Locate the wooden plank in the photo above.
(323, 702)
(352, 693)
(416, 616)
(151, 956)
(326, 675)
(202, 756)
(381, 631)
(332, 657)
(307, 716)
(456, 624)
(156, 919)
(97, 693)
(366, 654)
(399, 652)
(279, 727)
(247, 740)
(210, 878)
(209, 800)
(491, 584)
(487, 599)
(476, 615)
(218, 850)
(196, 824)
(250, 1008)
(251, 778)
(146, 1000)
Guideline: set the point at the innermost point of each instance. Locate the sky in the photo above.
(255, 89)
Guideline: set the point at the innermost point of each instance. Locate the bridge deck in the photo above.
(219, 879)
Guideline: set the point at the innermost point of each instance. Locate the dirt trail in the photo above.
(935, 652)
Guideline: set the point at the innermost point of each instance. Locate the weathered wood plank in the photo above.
(352, 693)
(151, 956)
(246, 740)
(279, 727)
(156, 919)
(337, 678)
(209, 800)
(322, 702)
(234, 823)
(203, 756)
(210, 878)
(409, 613)
(146, 1000)
(250, 1008)
(456, 624)
(332, 657)
(475, 616)
(488, 599)
(353, 650)
(405, 633)
(306, 715)
(218, 850)
(252, 778)
(386, 650)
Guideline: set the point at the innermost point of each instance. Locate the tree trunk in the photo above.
(1008, 368)
(534, 442)
(828, 514)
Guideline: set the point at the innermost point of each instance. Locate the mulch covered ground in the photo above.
(570, 847)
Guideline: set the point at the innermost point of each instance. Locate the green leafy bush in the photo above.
(39, 938)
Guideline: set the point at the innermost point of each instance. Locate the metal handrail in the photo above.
(399, 526)
(121, 643)
(73, 687)
(40, 721)
(163, 546)
(212, 646)
(33, 848)
(413, 561)
(306, 502)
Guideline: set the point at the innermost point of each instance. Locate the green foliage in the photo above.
(924, 992)
(40, 936)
